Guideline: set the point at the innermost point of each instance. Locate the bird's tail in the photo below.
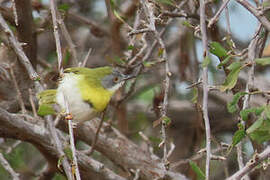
(46, 102)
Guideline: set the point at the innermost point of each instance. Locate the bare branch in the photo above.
(205, 88)
(56, 35)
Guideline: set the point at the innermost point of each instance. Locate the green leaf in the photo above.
(267, 111)
(63, 7)
(160, 52)
(59, 163)
(238, 136)
(232, 77)
(67, 57)
(260, 130)
(168, 2)
(218, 50)
(255, 125)
(68, 153)
(187, 24)
(224, 62)
(166, 120)
(200, 174)
(245, 112)
(195, 95)
(149, 64)
(234, 65)
(118, 16)
(45, 109)
(206, 61)
(130, 47)
(232, 106)
(263, 61)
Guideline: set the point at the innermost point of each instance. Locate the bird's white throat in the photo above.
(68, 93)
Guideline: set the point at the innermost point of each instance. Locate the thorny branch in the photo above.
(205, 88)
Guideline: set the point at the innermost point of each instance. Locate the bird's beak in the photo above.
(128, 77)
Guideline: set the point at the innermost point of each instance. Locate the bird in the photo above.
(84, 92)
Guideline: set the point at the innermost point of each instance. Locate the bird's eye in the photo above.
(115, 79)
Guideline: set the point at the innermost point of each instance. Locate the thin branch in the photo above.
(69, 118)
(256, 160)
(83, 64)
(198, 156)
(56, 35)
(31, 99)
(149, 12)
(18, 49)
(19, 94)
(214, 19)
(14, 10)
(69, 42)
(205, 89)
(8, 168)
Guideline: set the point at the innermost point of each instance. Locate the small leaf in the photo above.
(67, 57)
(195, 95)
(197, 170)
(166, 120)
(160, 52)
(267, 111)
(263, 61)
(45, 109)
(187, 24)
(255, 125)
(232, 106)
(259, 131)
(59, 163)
(245, 112)
(238, 136)
(168, 2)
(130, 47)
(232, 77)
(68, 153)
(118, 16)
(206, 61)
(64, 7)
(218, 50)
(224, 62)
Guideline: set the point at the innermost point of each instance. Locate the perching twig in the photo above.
(198, 156)
(69, 118)
(19, 94)
(214, 19)
(8, 168)
(56, 35)
(205, 88)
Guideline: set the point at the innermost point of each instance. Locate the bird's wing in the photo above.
(46, 101)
